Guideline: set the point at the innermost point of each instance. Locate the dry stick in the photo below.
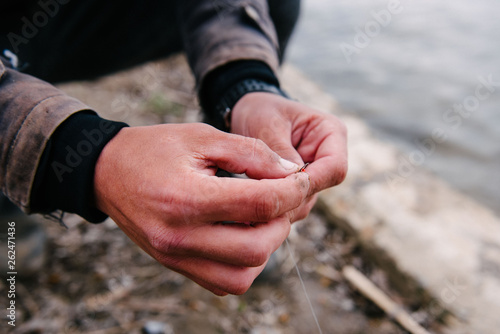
(371, 291)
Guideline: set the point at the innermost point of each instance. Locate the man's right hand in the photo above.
(158, 184)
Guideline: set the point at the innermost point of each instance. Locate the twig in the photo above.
(170, 306)
(372, 292)
(328, 272)
(102, 300)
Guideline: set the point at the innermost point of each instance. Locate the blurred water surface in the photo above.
(409, 74)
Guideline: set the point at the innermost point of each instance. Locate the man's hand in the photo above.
(158, 183)
(299, 134)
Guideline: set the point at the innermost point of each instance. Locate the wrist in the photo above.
(223, 109)
(221, 80)
(64, 177)
(107, 166)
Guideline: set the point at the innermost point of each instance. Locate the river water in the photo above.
(424, 74)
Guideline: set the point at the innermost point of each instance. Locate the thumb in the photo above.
(238, 154)
(285, 149)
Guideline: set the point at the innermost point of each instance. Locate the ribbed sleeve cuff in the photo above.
(65, 175)
(219, 81)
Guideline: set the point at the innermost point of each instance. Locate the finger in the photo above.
(236, 244)
(283, 147)
(238, 154)
(221, 199)
(329, 170)
(220, 278)
(327, 153)
(303, 210)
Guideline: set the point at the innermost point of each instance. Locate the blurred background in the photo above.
(405, 76)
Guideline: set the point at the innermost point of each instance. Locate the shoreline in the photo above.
(437, 245)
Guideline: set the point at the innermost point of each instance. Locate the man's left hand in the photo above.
(297, 133)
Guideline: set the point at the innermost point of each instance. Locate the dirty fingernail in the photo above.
(288, 165)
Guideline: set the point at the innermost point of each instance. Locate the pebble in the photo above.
(157, 327)
(265, 330)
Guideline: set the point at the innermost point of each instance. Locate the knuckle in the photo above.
(300, 214)
(337, 125)
(202, 127)
(337, 172)
(204, 132)
(340, 173)
(166, 243)
(263, 151)
(157, 239)
(258, 146)
(240, 286)
(218, 292)
(255, 255)
(267, 206)
(160, 243)
(303, 211)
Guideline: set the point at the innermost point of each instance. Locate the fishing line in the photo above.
(303, 286)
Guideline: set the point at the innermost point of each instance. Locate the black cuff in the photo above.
(218, 82)
(6, 62)
(223, 110)
(65, 176)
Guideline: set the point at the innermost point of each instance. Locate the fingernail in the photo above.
(288, 165)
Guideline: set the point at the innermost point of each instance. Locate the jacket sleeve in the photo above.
(217, 32)
(30, 111)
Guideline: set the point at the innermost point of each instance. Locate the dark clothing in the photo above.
(58, 40)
